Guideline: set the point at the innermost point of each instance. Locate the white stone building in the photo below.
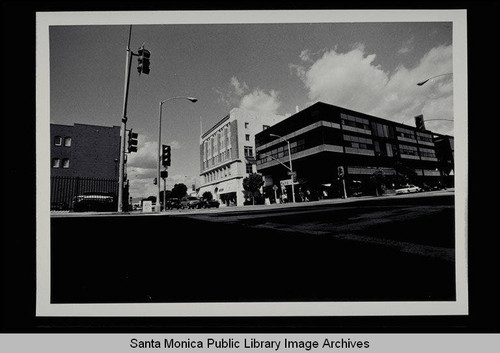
(227, 154)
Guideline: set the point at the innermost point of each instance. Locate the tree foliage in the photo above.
(179, 191)
(252, 184)
(207, 195)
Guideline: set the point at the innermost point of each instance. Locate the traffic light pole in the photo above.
(123, 131)
(159, 161)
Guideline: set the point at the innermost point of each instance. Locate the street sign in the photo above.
(275, 187)
(292, 174)
(147, 206)
(287, 182)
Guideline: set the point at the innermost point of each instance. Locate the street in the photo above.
(398, 248)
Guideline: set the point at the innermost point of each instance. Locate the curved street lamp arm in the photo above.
(179, 97)
(430, 78)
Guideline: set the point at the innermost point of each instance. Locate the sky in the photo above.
(372, 68)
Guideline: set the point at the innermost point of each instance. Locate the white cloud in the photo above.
(142, 169)
(260, 101)
(239, 88)
(239, 95)
(351, 80)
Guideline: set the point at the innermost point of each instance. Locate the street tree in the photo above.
(179, 191)
(252, 185)
(207, 195)
(377, 179)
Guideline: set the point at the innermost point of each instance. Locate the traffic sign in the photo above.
(292, 173)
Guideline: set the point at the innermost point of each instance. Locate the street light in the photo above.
(159, 144)
(290, 160)
(430, 78)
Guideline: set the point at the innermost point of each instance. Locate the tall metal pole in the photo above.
(159, 143)
(159, 161)
(291, 170)
(165, 194)
(123, 130)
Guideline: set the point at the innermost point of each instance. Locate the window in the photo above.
(405, 133)
(56, 162)
(247, 125)
(264, 127)
(67, 141)
(389, 149)
(358, 142)
(65, 163)
(58, 141)
(249, 168)
(354, 121)
(247, 137)
(380, 130)
(408, 150)
(248, 151)
(428, 153)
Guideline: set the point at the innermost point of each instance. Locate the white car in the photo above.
(408, 189)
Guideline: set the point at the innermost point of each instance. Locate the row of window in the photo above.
(408, 150)
(56, 163)
(282, 151)
(59, 141)
(218, 174)
(221, 157)
(405, 133)
(217, 143)
(381, 130)
(358, 139)
(247, 126)
(421, 136)
(427, 152)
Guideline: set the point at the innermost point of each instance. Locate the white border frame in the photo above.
(43, 305)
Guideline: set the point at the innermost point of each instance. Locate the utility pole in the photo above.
(123, 130)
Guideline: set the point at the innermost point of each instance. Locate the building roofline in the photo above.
(74, 124)
(319, 103)
(219, 123)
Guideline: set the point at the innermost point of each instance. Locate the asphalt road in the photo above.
(384, 249)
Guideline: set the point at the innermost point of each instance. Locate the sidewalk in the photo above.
(57, 214)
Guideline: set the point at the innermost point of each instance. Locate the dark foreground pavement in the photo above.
(395, 249)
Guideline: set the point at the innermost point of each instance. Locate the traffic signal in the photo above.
(419, 122)
(165, 155)
(340, 171)
(143, 61)
(132, 141)
(164, 174)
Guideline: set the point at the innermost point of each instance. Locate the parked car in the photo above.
(408, 189)
(95, 201)
(173, 203)
(191, 202)
(211, 203)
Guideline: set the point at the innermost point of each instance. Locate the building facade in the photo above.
(326, 140)
(84, 158)
(84, 150)
(227, 154)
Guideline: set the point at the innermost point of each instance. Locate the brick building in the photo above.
(84, 158)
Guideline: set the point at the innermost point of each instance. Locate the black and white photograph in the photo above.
(257, 163)
(213, 177)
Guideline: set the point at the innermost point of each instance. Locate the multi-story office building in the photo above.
(227, 154)
(325, 139)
